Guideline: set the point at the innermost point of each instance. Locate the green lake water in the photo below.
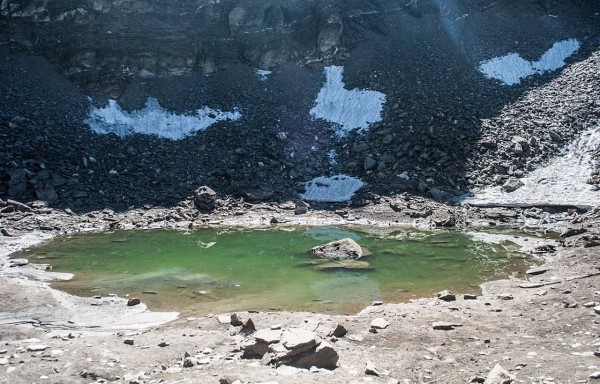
(218, 270)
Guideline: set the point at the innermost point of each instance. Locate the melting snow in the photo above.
(562, 182)
(263, 74)
(153, 120)
(349, 109)
(333, 189)
(512, 68)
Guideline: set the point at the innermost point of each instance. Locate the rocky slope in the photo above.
(445, 127)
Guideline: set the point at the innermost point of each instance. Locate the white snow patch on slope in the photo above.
(333, 189)
(348, 109)
(512, 68)
(263, 74)
(154, 120)
(562, 182)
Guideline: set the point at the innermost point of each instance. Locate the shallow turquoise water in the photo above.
(216, 270)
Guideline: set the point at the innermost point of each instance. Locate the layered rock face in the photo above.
(100, 44)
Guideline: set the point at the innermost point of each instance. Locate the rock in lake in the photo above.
(345, 249)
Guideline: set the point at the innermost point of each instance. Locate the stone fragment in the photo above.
(344, 249)
(248, 327)
(337, 330)
(444, 326)
(597, 309)
(235, 320)
(537, 271)
(298, 340)
(498, 375)
(371, 369)
(505, 296)
(230, 379)
(133, 301)
(163, 344)
(36, 348)
(224, 319)
(324, 356)
(446, 295)
(512, 184)
(4, 361)
(205, 198)
(189, 362)
(595, 375)
(379, 323)
(128, 341)
(572, 232)
(469, 297)
(476, 379)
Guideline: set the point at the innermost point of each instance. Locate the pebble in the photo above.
(128, 341)
(36, 348)
(595, 375)
(4, 361)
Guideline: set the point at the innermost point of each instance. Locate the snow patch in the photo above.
(562, 182)
(263, 74)
(333, 189)
(154, 120)
(348, 109)
(512, 68)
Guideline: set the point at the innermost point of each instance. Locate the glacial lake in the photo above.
(219, 270)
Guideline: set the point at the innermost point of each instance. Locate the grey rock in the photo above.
(337, 330)
(380, 323)
(537, 271)
(446, 295)
(36, 347)
(133, 301)
(344, 249)
(323, 356)
(128, 341)
(371, 369)
(512, 184)
(205, 198)
(248, 327)
(498, 375)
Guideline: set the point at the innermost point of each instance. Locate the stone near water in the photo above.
(337, 330)
(470, 297)
(446, 295)
(505, 296)
(379, 323)
(344, 249)
(224, 319)
(133, 301)
(235, 320)
(205, 198)
(537, 271)
(248, 327)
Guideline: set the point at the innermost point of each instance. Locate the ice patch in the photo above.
(263, 74)
(512, 68)
(154, 120)
(333, 189)
(562, 182)
(348, 109)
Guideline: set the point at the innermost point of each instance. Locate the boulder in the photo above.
(344, 249)
(512, 184)
(294, 347)
(205, 198)
(446, 295)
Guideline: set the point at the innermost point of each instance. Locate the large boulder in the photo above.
(205, 198)
(345, 249)
(295, 347)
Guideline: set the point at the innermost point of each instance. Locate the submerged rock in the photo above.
(344, 249)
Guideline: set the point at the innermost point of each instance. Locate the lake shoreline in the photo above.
(507, 320)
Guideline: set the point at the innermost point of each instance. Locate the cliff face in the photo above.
(445, 127)
(100, 43)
